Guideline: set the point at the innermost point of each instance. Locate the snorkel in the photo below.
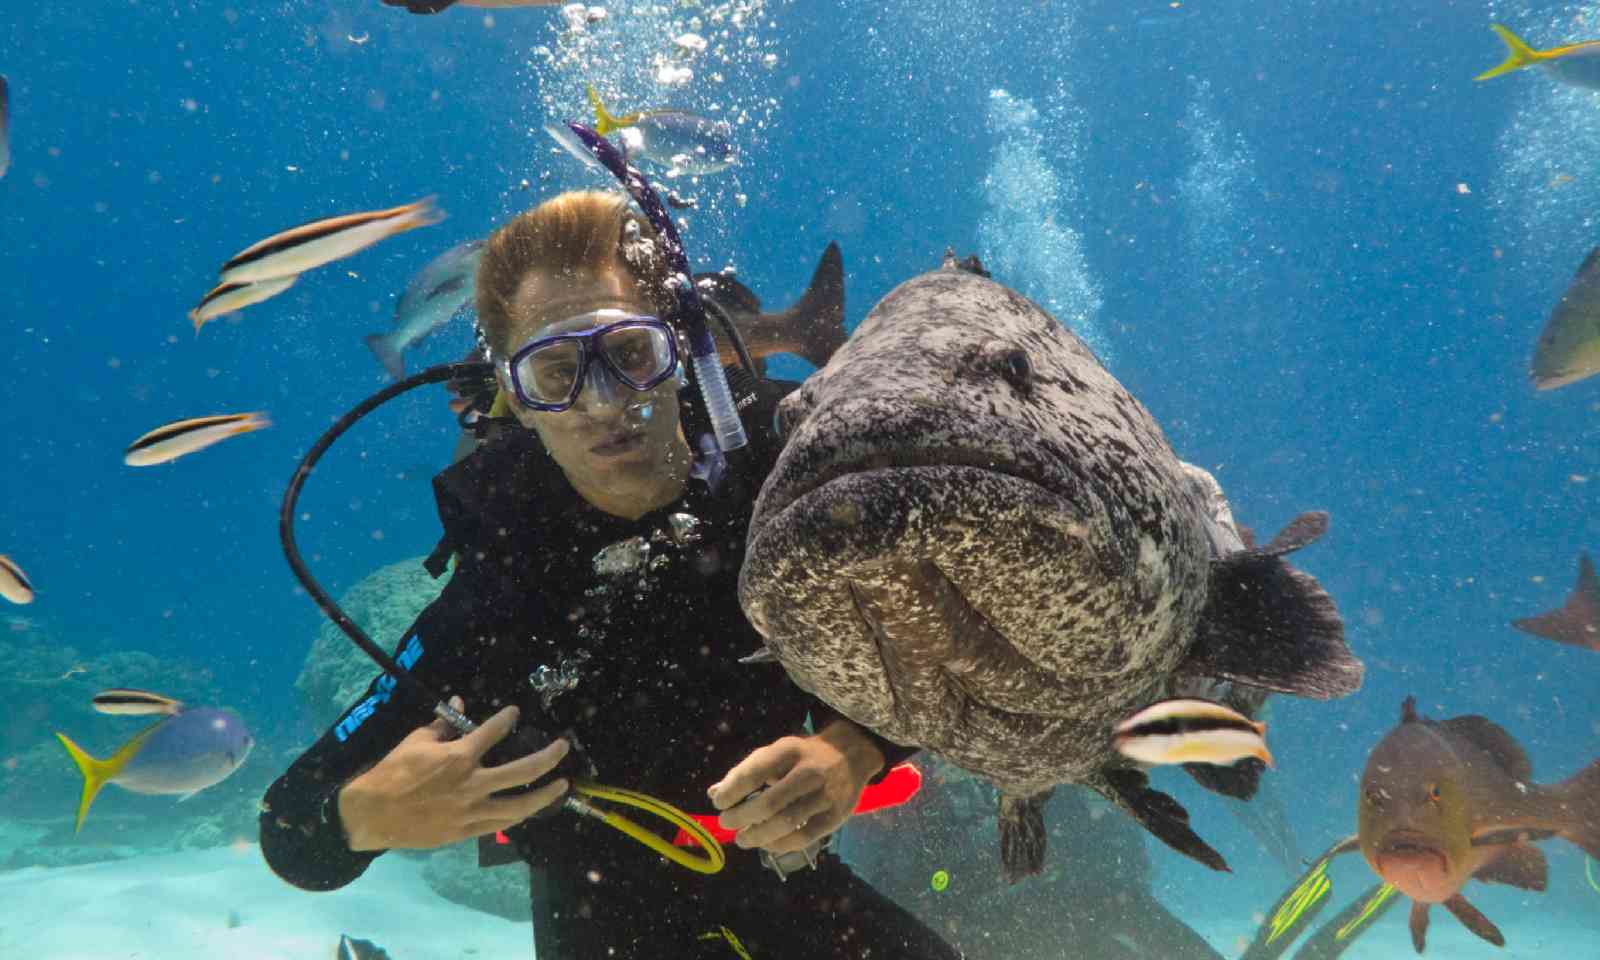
(689, 315)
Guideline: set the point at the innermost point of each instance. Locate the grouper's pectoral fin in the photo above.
(1473, 920)
(1163, 816)
(1269, 625)
(1522, 865)
(1022, 835)
(1239, 781)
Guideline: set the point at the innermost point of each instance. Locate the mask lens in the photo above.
(640, 354)
(550, 373)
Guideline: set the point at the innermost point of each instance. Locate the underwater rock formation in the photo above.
(383, 604)
(454, 874)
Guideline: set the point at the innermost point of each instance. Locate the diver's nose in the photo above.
(601, 391)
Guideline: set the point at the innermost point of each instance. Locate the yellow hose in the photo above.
(714, 858)
(1588, 873)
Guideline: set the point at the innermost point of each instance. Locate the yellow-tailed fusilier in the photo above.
(169, 442)
(184, 752)
(679, 142)
(1569, 346)
(1575, 64)
(226, 298)
(14, 584)
(313, 244)
(1191, 731)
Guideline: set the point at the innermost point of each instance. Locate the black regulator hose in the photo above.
(286, 517)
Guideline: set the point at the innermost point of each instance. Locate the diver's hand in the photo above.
(815, 783)
(432, 788)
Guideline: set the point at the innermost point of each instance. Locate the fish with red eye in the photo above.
(1442, 802)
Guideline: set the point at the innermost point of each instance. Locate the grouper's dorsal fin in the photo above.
(1269, 625)
(1492, 739)
(970, 263)
(1302, 531)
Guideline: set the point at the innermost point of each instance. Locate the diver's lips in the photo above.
(617, 444)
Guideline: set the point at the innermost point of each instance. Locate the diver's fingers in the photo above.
(792, 827)
(523, 770)
(797, 785)
(498, 813)
(491, 732)
(763, 766)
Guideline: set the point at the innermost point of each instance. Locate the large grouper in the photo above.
(977, 542)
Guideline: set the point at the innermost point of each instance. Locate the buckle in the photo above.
(794, 861)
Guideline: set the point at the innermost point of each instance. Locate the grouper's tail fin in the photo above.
(1580, 805)
(1518, 54)
(818, 316)
(1269, 625)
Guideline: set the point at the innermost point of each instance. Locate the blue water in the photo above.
(1299, 233)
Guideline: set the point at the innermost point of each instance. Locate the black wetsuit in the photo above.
(661, 705)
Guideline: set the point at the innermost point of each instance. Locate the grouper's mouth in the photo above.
(996, 447)
(1415, 865)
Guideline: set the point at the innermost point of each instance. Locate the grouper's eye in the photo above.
(1434, 793)
(791, 410)
(1016, 370)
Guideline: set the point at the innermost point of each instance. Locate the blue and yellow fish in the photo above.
(184, 752)
(679, 142)
(1575, 64)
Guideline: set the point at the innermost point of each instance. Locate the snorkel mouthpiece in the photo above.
(690, 312)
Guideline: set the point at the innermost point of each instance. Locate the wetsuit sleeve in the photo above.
(302, 837)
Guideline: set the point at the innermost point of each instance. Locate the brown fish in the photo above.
(1446, 801)
(1578, 621)
(813, 327)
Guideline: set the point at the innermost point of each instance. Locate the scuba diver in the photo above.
(593, 608)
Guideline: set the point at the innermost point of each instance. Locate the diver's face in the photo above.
(614, 443)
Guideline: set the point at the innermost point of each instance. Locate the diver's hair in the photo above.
(575, 233)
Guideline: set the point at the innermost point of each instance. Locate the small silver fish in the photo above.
(5, 126)
(184, 752)
(226, 298)
(1190, 731)
(680, 142)
(14, 584)
(436, 294)
(313, 244)
(128, 702)
(173, 440)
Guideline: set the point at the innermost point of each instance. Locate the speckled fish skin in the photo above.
(995, 566)
(1072, 494)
